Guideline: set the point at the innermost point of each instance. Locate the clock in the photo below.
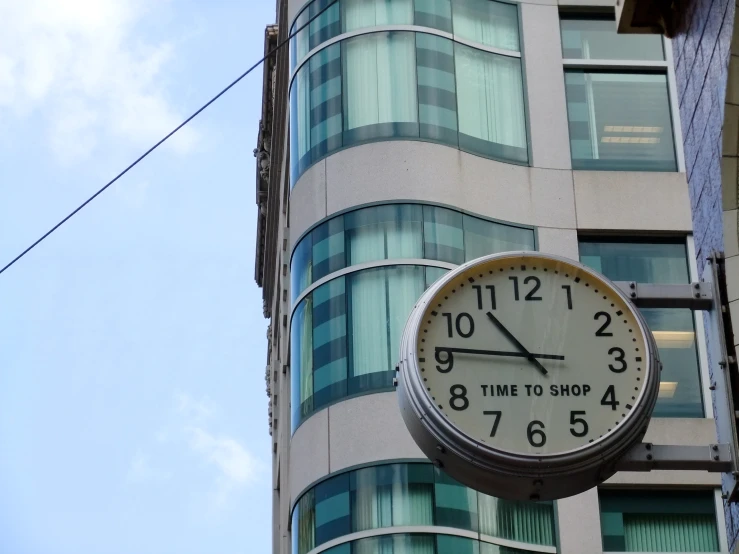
(526, 376)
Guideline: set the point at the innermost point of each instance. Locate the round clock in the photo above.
(527, 376)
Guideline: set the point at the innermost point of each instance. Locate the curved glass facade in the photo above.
(486, 22)
(407, 85)
(414, 494)
(346, 334)
(395, 231)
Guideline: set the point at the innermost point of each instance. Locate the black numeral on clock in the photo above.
(568, 288)
(609, 398)
(574, 420)
(536, 437)
(619, 356)
(464, 325)
(532, 292)
(445, 359)
(497, 415)
(491, 288)
(459, 400)
(602, 331)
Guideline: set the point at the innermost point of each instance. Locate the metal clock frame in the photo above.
(512, 475)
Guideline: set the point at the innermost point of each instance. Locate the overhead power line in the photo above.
(166, 137)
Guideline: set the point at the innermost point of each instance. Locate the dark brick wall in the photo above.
(701, 67)
(701, 56)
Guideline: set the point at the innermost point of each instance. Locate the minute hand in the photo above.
(515, 341)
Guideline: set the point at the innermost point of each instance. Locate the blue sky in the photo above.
(133, 413)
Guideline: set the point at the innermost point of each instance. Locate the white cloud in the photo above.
(82, 65)
(141, 471)
(234, 465)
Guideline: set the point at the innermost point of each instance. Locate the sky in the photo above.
(133, 412)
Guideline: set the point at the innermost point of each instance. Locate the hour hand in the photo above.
(530, 357)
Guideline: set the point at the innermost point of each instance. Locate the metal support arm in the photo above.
(696, 296)
(714, 458)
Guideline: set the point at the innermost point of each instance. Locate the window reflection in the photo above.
(663, 262)
(410, 231)
(415, 494)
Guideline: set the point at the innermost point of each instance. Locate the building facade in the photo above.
(401, 138)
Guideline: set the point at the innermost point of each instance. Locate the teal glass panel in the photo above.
(301, 266)
(325, 102)
(487, 22)
(301, 362)
(437, 89)
(380, 91)
(345, 548)
(325, 26)
(405, 286)
(433, 274)
(610, 130)
(304, 524)
(594, 37)
(487, 548)
(660, 262)
(360, 14)
(391, 495)
(384, 232)
(368, 329)
(333, 518)
(436, 14)
(484, 237)
(443, 235)
(328, 248)
(395, 544)
(329, 343)
(490, 103)
(299, 44)
(447, 544)
(529, 522)
(455, 504)
(658, 521)
(299, 124)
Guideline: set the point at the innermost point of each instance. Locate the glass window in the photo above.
(436, 14)
(483, 237)
(446, 544)
(443, 235)
(392, 495)
(399, 231)
(380, 87)
(491, 104)
(674, 329)
(384, 232)
(437, 89)
(415, 494)
(609, 130)
(301, 361)
(658, 521)
(325, 26)
(325, 102)
(594, 37)
(332, 511)
(388, 85)
(530, 522)
(487, 22)
(328, 248)
(359, 14)
(456, 505)
(329, 342)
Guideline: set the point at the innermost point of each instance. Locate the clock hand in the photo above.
(498, 353)
(520, 346)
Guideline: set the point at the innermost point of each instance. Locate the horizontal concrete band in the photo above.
(431, 529)
(426, 172)
(327, 443)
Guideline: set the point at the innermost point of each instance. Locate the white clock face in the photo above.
(535, 357)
